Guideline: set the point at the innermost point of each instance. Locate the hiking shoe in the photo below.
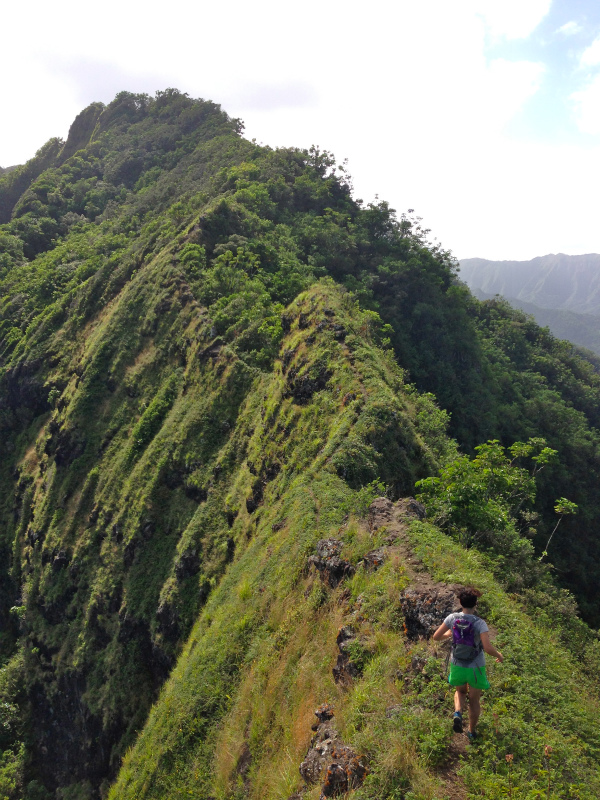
(457, 723)
(472, 736)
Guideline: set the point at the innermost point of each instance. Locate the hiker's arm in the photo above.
(489, 647)
(442, 633)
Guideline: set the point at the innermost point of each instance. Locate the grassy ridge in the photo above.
(258, 629)
(259, 660)
(273, 667)
(144, 533)
(542, 695)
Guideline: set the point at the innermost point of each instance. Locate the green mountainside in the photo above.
(213, 359)
(581, 329)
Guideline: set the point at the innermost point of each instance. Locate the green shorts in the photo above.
(474, 676)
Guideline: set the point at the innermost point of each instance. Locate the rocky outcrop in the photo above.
(331, 568)
(380, 513)
(329, 760)
(301, 387)
(384, 513)
(23, 395)
(375, 558)
(70, 743)
(345, 669)
(425, 608)
(188, 564)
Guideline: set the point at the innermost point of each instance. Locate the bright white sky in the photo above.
(482, 115)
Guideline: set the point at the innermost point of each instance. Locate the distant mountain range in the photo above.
(562, 292)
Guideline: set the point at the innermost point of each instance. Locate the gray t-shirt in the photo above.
(480, 627)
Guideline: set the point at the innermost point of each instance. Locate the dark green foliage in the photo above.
(15, 182)
(486, 502)
(153, 417)
(583, 330)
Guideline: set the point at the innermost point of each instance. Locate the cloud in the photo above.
(570, 28)
(510, 84)
(591, 55)
(274, 96)
(586, 103)
(405, 90)
(513, 19)
(94, 79)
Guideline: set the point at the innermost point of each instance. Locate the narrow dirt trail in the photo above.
(425, 602)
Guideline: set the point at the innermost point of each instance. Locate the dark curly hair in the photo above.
(468, 597)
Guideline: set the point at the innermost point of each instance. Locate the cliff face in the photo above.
(206, 353)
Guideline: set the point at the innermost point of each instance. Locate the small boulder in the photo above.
(345, 670)
(324, 712)
(318, 756)
(380, 513)
(411, 508)
(417, 663)
(425, 609)
(345, 634)
(330, 760)
(331, 568)
(375, 558)
(328, 548)
(346, 771)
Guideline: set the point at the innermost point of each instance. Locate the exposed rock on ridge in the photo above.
(329, 760)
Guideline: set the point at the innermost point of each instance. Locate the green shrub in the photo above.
(151, 420)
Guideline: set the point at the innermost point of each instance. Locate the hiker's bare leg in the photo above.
(460, 698)
(474, 707)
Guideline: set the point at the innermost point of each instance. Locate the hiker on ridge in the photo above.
(470, 639)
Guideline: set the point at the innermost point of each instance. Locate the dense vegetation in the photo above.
(582, 330)
(210, 353)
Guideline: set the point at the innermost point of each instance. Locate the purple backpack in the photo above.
(463, 640)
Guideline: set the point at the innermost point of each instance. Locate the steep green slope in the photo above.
(234, 718)
(261, 656)
(190, 396)
(361, 423)
(123, 550)
(154, 169)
